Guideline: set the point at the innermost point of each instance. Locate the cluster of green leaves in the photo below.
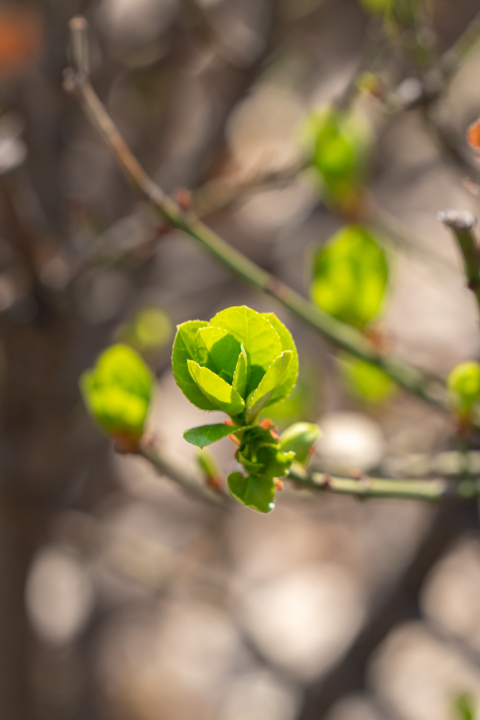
(350, 282)
(340, 144)
(117, 392)
(464, 388)
(241, 362)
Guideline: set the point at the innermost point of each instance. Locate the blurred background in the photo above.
(120, 597)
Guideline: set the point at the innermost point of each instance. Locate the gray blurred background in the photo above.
(120, 597)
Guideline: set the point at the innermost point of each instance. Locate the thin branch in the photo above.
(435, 491)
(461, 224)
(345, 337)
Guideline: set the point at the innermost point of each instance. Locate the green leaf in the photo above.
(464, 386)
(209, 465)
(217, 350)
(208, 434)
(257, 335)
(117, 391)
(275, 462)
(291, 377)
(241, 372)
(300, 439)
(254, 492)
(184, 349)
(217, 391)
(376, 7)
(350, 276)
(368, 382)
(464, 706)
(269, 384)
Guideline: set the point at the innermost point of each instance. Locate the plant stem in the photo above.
(439, 490)
(343, 336)
(461, 224)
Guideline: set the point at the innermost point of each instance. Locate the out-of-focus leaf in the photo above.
(366, 381)
(464, 387)
(208, 465)
(117, 391)
(300, 438)
(216, 390)
(350, 276)
(254, 492)
(377, 7)
(464, 706)
(208, 434)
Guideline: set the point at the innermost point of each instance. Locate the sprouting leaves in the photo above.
(350, 276)
(339, 142)
(117, 392)
(239, 362)
(464, 387)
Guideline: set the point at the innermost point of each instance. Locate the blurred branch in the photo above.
(399, 604)
(461, 223)
(364, 487)
(343, 336)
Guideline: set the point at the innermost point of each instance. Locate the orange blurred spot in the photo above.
(473, 135)
(21, 40)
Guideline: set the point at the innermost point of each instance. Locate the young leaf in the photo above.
(270, 382)
(184, 350)
(350, 276)
(254, 492)
(464, 386)
(300, 439)
(217, 391)
(217, 350)
(208, 434)
(288, 343)
(117, 391)
(241, 372)
(257, 335)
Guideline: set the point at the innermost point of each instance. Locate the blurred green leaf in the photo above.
(208, 465)
(350, 276)
(150, 330)
(300, 438)
(366, 381)
(464, 707)
(377, 7)
(254, 492)
(464, 387)
(340, 143)
(118, 390)
(208, 434)
(216, 390)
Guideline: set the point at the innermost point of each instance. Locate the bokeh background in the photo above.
(121, 598)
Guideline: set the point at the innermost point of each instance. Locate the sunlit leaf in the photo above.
(257, 335)
(241, 373)
(217, 391)
(254, 492)
(270, 383)
(288, 383)
(217, 350)
(208, 434)
(184, 349)
(464, 386)
(117, 391)
(350, 276)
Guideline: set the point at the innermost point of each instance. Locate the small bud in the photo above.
(184, 199)
(464, 387)
(209, 467)
(300, 438)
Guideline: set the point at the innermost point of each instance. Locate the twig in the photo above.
(461, 224)
(435, 491)
(345, 337)
(150, 453)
